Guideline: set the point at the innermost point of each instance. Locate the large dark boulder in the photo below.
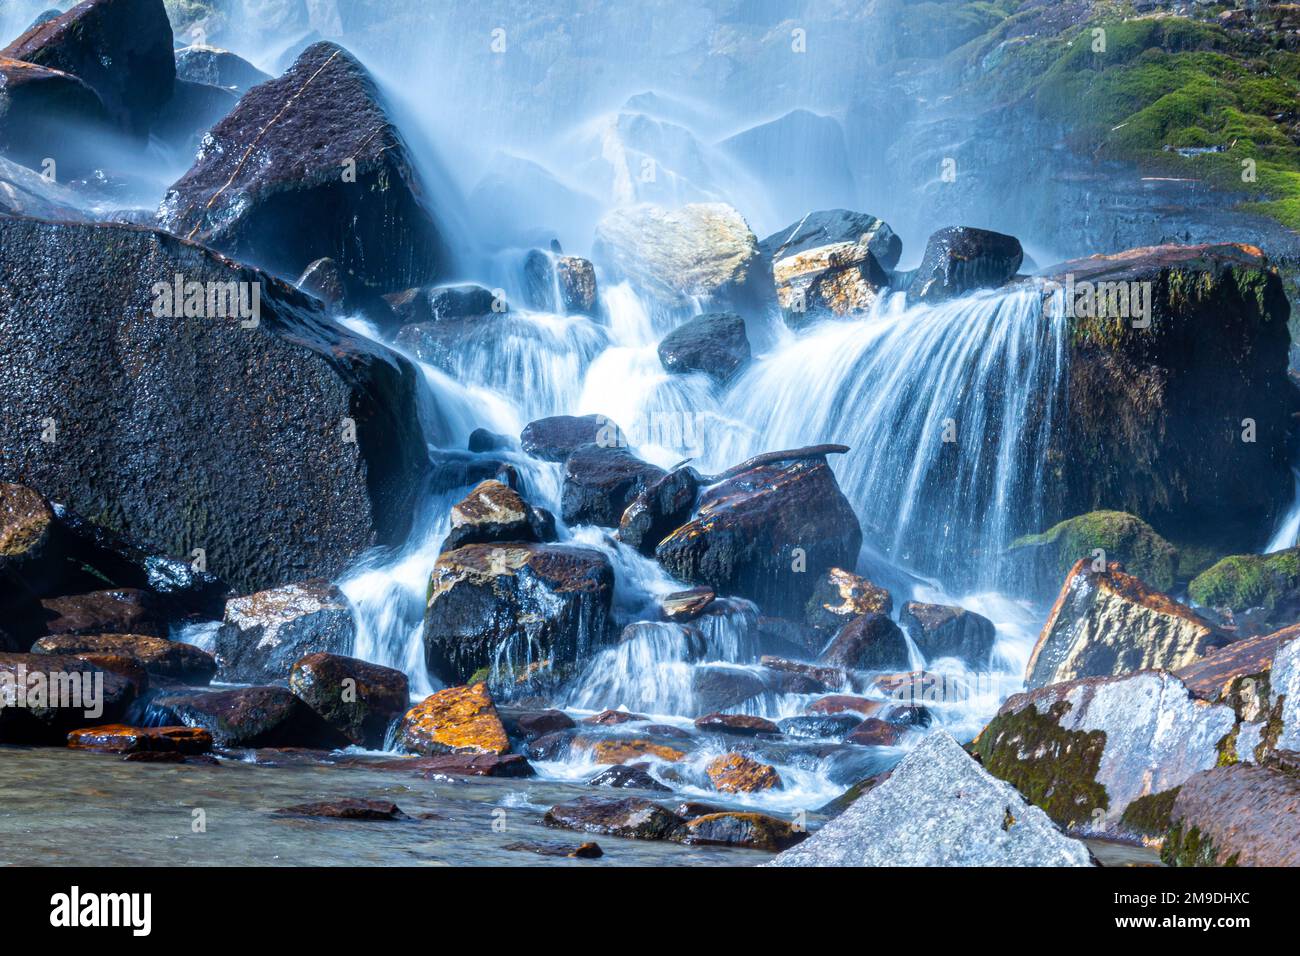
(767, 530)
(939, 630)
(48, 114)
(511, 605)
(557, 437)
(659, 509)
(122, 49)
(833, 226)
(714, 344)
(158, 656)
(187, 433)
(871, 642)
(250, 717)
(600, 483)
(193, 110)
(356, 697)
(276, 186)
(961, 259)
(264, 634)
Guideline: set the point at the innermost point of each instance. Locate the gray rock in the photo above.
(264, 634)
(939, 808)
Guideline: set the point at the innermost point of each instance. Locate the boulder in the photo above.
(1251, 592)
(352, 195)
(120, 611)
(1217, 676)
(356, 697)
(442, 304)
(1110, 623)
(250, 717)
(740, 725)
(25, 192)
(871, 642)
(508, 605)
(961, 259)
(612, 718)
(766, 532)
(582, 851)
(715, 344)
(528, 725)
(158, 656)
(938, 808)
(120, 739)
(1085, 749)
(841, 279)
(200, 63)
(942, 631)
(193, 110)
(45, 115)
(600, 482)
(723, 687)
(122, 49)
(43, 697)
(28, 559)
(702, 251)
(840, 596)
(264, 634)
(1048, 557)
(664, 505)
(556, 438)
(845, 703)
(455, 720)
(620, 750)
(142, 438)
(1158, 422)
(634, 776)
(631, 817)
(781, 638)
(575, 278)
(826, 678)
(819, 727)
(874, 732)
(833, 227)
(1238, 815)
(751, 831)
(736, 773)
(494, 512)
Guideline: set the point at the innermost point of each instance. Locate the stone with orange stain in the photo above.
(623, 749)
(455, 720)
(736, 773)
(122, 739)
(842, 703)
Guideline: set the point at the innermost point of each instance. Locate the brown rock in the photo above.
(583, 851)
(841, 596)
(531, 724)
(47, 704)
(251, 717)
(458, 719)
(741, 725)
(939, 630)
(686, 605)
(1213, 676)
(120, 611)
(871, 642)
(476, 765)
(159, 656)
(831, 678)
(120, 739)
(1242, 815)
(874, 732)
(753, 831)
(491, 512)
(735, 773)
(630, 817)
(611, 717)
(842, 703)
(347, 809)
(359, 698)
(623, 749)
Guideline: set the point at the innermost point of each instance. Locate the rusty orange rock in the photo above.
(621, 750)
(121, 739)
(735, 773)
(842, 703)
(455, 720)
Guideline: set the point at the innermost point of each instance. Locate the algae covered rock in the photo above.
(1049, 556)
(1251, 591)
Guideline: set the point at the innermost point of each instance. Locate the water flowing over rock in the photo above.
(701, 251)
(714, 344)
(353, 195)
(264, 634)
(356, 697)
(767, 532)
(1084, 750)
(1236, 816)
(628, 777)
(871, 642)
(1108, 623)
(941, 631)
(962, 259)
(45, 115)
(938, 808)
(122, 49)
(189, 433)
(660, 508)
(511, 605)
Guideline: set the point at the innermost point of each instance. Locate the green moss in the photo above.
(1191, 848)
(1122, 536)
(1149, 816)
(1244, 581)
(1054, 768)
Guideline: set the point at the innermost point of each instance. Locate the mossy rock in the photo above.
(1244, 582)
(1124, 538)
(1191, 848)
(1149, 816)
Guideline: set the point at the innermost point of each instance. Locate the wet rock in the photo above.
(619, 750)
(874, 732)
(515, 602)
(909, 716)
(347, 809)
(834, 227)
(1110, 623)
(27, 559)
(1155, 419)
(582, 851)
(942, 631)
(553, 746)
(664, 505)
(700, 251)
(120, 739)
(129, 668)
(296, 205)
(482, 440)
(575, 278)
(686, 605)
(120, 611)
(358, 698)
(142, 429)
(1084, 750)
(1251, 592)
(938, 808)
(1235, 816)
(741, 725)
(47, 114)
(529, 725)
(193, 110)
(871, 642)
(714, 344)
(961, 259)
(840, 279)
(635, 776)
(841, 596)
(631, 817)
(751, 831)
(779, 638)
(158, 656)
(718, 687)
(736, 773)
(25, 192)
(493, 512)
(600, 483)
(458, 719)
(667, 730)
(264, 634)
(512, 766)
(556, 438)
(250, 717)
(819, 727)
(611, 718)
(46, 697)
(214, 66)
(443, 303)
(324, 280)
(766, 532)
(122, 49)
(828, 678)
(1217, 676)
(1048, 557)
(845, 703)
